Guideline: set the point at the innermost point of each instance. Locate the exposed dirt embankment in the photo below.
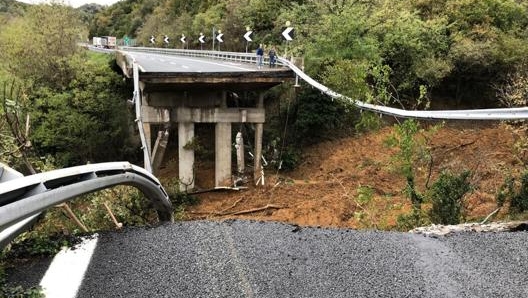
(352, 182)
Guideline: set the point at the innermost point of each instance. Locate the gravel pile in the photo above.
(257, 259)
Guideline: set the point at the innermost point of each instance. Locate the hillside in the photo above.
(350, 182)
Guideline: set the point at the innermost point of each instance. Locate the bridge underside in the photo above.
(186, 99)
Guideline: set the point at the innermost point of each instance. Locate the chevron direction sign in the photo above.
(166, 39)
(288, 33)
(201, 38)
(152, 39)
(182, 39)
(219, 37)
(247, 35)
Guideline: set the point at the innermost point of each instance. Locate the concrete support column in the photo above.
(148, 138)
(160, 146)
(223, 150)
(258, 175)
(186, 155)
(223, 155)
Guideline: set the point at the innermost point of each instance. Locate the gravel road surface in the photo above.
(256, 259)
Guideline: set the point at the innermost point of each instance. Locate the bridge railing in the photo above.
(22, 199)
(221, 55)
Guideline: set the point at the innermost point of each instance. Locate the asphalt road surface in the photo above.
(150, 62)
(255, 259)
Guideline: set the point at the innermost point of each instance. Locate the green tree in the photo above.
(88, 121)
(39, 45)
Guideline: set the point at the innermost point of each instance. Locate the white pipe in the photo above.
(137, 99)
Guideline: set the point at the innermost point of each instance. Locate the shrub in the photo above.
(519, 202)
(447, 197)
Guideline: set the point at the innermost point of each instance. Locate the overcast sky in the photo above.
(74, 3)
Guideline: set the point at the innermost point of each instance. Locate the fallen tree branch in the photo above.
(253, 210)
(269, 206)
(490, 215)
(232, 206)
(459, 146)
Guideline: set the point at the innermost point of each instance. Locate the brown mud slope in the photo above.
(352, 182)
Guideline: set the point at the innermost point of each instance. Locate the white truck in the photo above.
(107, 42)
(97, 42)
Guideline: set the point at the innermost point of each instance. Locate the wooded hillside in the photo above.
(456, 52)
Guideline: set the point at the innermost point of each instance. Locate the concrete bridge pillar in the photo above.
(258, 174)
(223, 149)
(223, 155)
(186, 155)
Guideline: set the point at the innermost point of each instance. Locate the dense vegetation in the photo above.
(449, 51)
(73, 102)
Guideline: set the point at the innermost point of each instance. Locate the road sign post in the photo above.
(182, 39)
(219, 38)
(247, 37)
(201, 39)
(287, 33)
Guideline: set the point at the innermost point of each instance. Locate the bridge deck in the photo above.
(185, 73)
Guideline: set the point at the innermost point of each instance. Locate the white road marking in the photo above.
(66, 272)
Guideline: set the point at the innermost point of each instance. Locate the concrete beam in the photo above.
(186, 156)
(223, 155)
(205, 115)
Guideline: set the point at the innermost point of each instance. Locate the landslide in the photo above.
(353, 182)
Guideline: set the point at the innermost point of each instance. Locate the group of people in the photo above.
(260, 56)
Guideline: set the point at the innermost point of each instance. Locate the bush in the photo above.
(447, 197)
(518, 198)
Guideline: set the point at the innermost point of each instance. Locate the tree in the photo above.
(39, 45)
(88, 121)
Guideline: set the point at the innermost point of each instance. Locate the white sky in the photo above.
(74, 3)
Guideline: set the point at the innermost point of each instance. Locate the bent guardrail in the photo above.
(478, 114)
(23, 199)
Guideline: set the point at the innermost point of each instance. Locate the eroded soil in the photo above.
(353, 182)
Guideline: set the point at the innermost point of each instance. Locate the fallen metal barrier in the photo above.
(22, 199)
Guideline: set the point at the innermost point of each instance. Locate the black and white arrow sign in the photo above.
(166, 39)
(246, 36)
(201, 38)
(286, 33)
(152, 39)
(219, 37)
(182, 38)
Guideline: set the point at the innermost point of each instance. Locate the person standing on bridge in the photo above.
(272, 57)
(260, 56)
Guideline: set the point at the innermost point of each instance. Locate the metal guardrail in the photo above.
(23, 199)
(220, 55)
(478, 114)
